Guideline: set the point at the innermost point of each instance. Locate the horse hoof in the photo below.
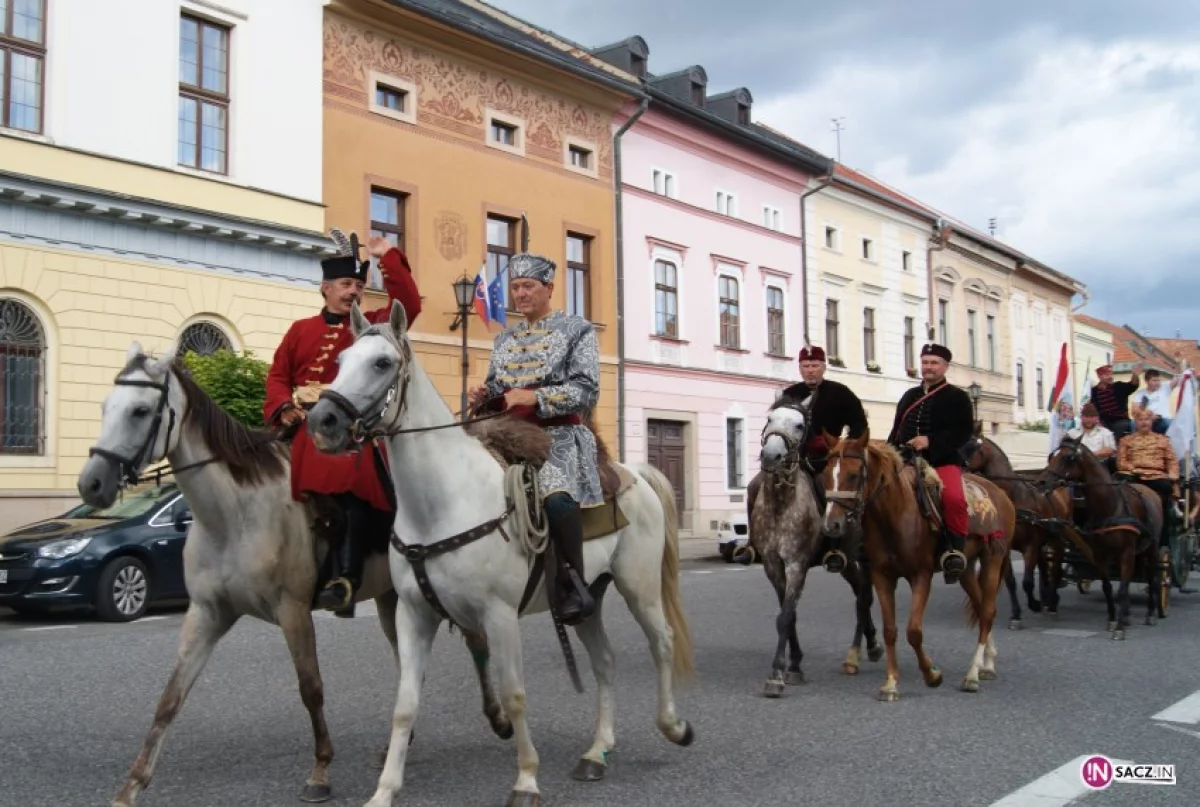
(794, 678)
(1118, 635)
(589, 770)
(888, 696)
(875, 653)
(935, 679)
(315, 794)
(987, 675)
(969, 685)
(521, 798)
(1036, 607)
(504, 731)
(1112, 626)
(849, 669)
(689, 736)
(773, 689)
(1014, 624)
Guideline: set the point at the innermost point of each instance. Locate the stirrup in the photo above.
(587, 603)
(835, 561)
(347, 600)
(953, 563)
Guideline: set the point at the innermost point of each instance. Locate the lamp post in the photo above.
(975, 391)
(464, 295)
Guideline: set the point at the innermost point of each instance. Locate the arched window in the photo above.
(204, 338)
(22, 380)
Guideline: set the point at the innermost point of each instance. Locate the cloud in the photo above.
(1076, 124)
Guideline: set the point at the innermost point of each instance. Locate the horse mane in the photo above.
(251, 455)
(884, 464)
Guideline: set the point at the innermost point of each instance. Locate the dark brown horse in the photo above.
(1124, 520)
(870, 481)
(1042, 521)
(785, 531)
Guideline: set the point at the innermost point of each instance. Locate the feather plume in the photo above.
(343, 243)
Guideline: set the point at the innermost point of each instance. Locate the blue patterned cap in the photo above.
(528, 264)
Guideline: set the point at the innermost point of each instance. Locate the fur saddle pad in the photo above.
(981, 510)
(512, 441)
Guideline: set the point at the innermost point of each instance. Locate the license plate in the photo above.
(3, 575)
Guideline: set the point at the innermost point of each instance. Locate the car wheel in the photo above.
(124, 590)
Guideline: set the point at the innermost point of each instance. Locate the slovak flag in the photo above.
(481, 302)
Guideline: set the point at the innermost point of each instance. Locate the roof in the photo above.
(1183, 350)
(1130, 347)
(512, 33)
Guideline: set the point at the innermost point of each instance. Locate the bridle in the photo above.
(791, 456)
(856, 497)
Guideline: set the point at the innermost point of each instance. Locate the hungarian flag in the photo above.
(1060, 392)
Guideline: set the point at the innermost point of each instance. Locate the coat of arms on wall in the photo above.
(451, 230)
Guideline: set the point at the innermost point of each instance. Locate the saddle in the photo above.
(513, 441)
(981, 511)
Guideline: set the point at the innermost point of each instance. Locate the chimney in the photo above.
(733, 106)
(630, 55)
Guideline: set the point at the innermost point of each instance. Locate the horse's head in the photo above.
(1067, 463)
(139, 425)
(371, 384)
(978, 451)
(845, 479)
(781, 436)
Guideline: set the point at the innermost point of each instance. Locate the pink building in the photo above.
(713, 293)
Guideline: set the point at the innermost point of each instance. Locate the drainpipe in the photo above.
(941, 230)
(620, 225)
(825, 183)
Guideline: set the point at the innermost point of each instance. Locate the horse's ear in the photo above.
(160, 365)
(978, 428)
(358, 323)
(135, 350)
(830, 440)
(398, 319)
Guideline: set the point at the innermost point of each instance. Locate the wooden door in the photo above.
(665, 451)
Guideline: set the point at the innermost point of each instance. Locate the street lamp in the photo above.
(975, 391)
(464, 295)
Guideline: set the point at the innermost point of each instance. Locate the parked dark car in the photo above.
(118, 560)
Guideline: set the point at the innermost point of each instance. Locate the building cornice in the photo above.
(101, 204)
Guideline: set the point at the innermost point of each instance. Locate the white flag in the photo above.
(1182, 431)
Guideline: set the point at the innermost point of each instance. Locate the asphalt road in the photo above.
(78, 697)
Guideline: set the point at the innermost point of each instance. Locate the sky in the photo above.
(1074, 123)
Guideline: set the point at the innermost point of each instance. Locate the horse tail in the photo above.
(681, 663)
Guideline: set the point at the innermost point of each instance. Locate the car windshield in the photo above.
(134, 503)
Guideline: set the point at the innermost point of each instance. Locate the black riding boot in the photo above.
(574, 601)
(338, 594)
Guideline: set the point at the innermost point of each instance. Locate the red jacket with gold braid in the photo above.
(308, 355)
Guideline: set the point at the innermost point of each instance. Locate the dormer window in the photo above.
(743, 115)
(697, 94)
(637, 65)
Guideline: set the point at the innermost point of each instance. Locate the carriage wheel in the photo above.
(1164, 581)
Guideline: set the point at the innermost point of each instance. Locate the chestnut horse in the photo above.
(1124, 523)
(1042, 520)
(870, 481)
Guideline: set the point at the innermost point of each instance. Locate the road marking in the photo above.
(51, 627)
(1060, 787)
(152, 618)
(1184, 711)
(1070, 633)
(1181, 730)
(702, 571)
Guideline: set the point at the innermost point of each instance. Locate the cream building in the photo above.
(1093, 347)
(168, 191)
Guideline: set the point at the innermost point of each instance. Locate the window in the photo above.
(387, 220)
(971, 338)
(906, 261)
(389, 98)
(831, 238)
(579, 253)
(743, 115)
(991, 342)
(910, 356)
(22, 63)
(501, 246)
(203, 338)
(943, 318)
(727, 290)
(579, 156)
(869, 335)
(775, 328)
(868, 249)
(1021, 384)
(1038, 388)
(734, 456)
(726, 203)
(664, 183)
(203, 95)
(504, 132)
(22, 380)
(831, 328)
(772, 219)
(392, 97)
(666, 297)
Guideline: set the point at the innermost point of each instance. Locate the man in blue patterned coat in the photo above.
(546, 369)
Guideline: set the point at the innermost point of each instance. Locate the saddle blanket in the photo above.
(983, 518)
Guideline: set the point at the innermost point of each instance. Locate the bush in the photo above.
(238, 384)
(1035, 426)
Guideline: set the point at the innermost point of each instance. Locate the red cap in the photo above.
(1106, 368)
(811, 353)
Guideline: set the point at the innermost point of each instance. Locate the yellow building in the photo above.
(442, 131)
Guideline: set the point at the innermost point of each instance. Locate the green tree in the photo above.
(237, 383)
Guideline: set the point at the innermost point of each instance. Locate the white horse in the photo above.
(251, 549)
(448, 486)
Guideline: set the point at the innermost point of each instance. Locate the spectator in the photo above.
(1099, 440)
(1157, 399)
(1112, 399)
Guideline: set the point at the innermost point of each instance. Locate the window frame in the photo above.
(735, 453)
(200, 96)
(990, 336)
(495, 249)
(385, 228)
(376, 81)
(673, 292)
(832, 328)
(1019, 377)
(583, 268)
(779, 316)
(36, 50)
(724, 325)
(910, 344)
(36, 352)
(972, 327)
(869, 336)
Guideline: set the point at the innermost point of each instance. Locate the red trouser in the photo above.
(954, 500)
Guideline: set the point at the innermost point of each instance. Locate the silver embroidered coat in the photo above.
(558, 354)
